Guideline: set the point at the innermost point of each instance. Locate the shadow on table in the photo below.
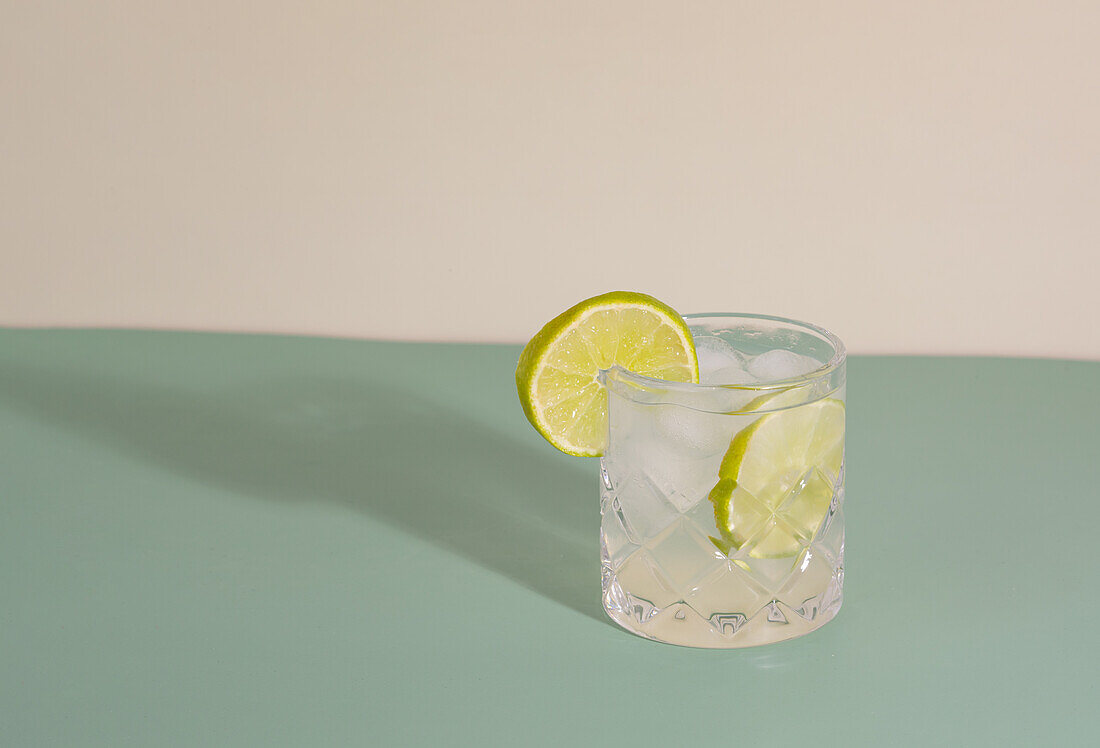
(411, 463)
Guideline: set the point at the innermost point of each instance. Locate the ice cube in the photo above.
(732, 374)
(676, 452)
(780, 364)
(690, 433)
(683, 481)
(715, 353)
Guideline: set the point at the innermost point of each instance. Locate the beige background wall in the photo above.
(919, 177)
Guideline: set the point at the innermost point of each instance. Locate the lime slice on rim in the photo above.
(558, 372)
(777, 479)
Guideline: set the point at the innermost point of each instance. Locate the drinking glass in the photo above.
(722, 517)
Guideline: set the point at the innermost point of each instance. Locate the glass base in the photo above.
(679, 624)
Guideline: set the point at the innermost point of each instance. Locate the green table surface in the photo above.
(257, 540)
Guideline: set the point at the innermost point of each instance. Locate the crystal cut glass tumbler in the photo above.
(722, 502)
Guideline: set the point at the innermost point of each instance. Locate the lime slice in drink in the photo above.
(777, 479)
(558, 372)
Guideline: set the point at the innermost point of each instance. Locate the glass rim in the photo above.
(826, 370)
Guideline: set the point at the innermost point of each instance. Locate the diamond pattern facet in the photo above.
(644, 511)
(727, 595)
(684, 555)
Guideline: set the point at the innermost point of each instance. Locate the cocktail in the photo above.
(722, 463)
